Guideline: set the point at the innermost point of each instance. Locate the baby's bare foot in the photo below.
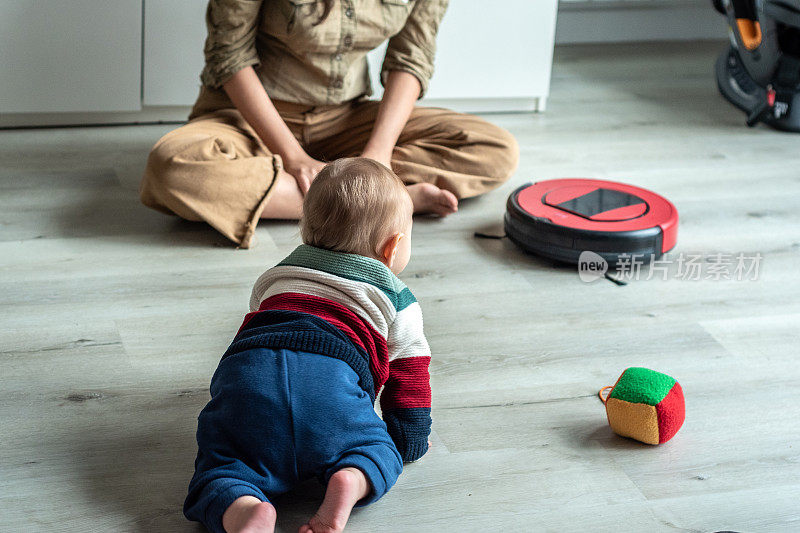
(430, 199)
(249, 515)
(345, 488)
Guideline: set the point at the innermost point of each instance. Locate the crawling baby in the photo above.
(330, 327)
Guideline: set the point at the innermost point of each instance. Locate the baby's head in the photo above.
(358, 206)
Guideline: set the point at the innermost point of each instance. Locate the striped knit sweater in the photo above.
(355, 309)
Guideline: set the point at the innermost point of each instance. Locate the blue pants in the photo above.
(278, 417)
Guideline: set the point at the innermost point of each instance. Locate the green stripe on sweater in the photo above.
(404, 299)
(355, 268)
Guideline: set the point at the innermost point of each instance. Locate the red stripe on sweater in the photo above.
(359, 331)
(409, 384)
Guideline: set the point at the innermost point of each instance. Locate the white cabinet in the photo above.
(489, 57)
(174, 35)
(111, 58)
(70, 55)
(496, 51)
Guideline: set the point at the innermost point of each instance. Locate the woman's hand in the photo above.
(303, 169)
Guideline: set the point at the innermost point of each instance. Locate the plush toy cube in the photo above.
(646, 405)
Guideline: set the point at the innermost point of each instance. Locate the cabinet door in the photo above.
(174, 35)
(70, 55)
(498, 49)
(491, 50)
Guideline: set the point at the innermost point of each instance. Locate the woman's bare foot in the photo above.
(345, 488)
(430, 199)
(249, 515)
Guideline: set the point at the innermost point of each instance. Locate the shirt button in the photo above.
(348, 41)
(338, 57)
(348, 13)
(338, 83)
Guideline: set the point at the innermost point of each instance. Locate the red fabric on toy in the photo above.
(671, 413)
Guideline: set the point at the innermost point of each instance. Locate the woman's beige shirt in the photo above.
(326, 63)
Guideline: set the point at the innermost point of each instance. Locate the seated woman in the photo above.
(285, 88)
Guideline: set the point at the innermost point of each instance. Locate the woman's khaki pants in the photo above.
(216, 169)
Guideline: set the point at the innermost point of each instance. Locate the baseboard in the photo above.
(148, 115)
(606, 22)
(158, 115)
(524, 104)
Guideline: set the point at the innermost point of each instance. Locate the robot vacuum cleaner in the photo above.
(558, 219)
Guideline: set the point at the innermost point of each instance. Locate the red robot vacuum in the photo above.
(558, 219)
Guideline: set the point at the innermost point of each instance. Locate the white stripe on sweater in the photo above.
(372, 300)
(406, 336)
(362, 306)
(402, 330)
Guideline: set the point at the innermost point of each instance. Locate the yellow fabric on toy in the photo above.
(635, 420)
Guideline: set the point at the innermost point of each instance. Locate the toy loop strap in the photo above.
(604, 399)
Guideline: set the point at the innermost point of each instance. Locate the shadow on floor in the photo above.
(89, 203)
(107, 209)
(136, 470)
(100, 207)
(505, 251)
(585, 436)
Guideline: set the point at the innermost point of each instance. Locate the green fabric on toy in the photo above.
(645, 405)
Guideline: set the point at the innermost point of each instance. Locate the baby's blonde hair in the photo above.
(353, 205)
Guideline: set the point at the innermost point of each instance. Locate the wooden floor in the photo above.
(113, 318)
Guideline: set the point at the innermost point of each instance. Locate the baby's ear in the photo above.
(390, 248)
